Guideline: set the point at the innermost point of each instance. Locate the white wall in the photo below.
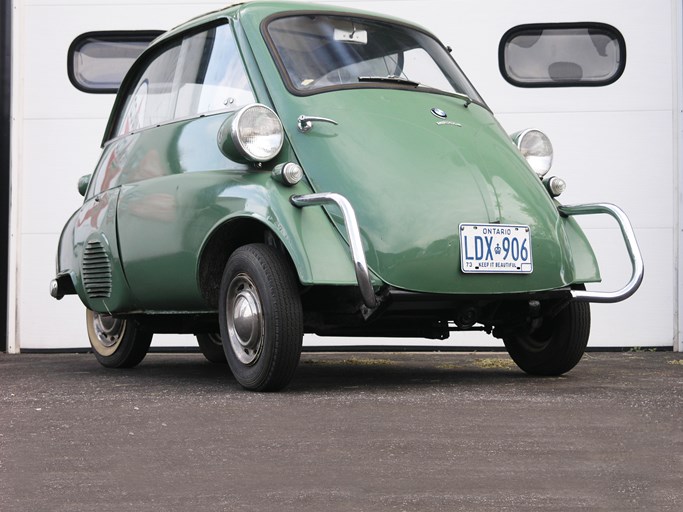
(57, 133)
(613, 144)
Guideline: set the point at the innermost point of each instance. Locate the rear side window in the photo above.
(562, 55)
(98, 61)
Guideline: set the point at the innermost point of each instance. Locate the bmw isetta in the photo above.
(273, 169)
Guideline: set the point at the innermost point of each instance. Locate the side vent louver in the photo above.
(96, 271)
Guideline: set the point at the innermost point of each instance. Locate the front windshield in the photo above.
(322, 52)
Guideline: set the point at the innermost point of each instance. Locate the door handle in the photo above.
(305, 123)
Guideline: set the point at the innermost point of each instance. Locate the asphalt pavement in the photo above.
(353, 432)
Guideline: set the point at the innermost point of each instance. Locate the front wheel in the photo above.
(261, 318)
(116, 343)
(556, 346)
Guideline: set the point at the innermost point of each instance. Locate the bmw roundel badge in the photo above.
(439, 113)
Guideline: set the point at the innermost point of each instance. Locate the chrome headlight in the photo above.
(254, 133)
(535, 146)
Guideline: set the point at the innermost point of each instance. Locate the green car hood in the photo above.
(413, 177)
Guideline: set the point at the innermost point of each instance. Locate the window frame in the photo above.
(589, 25)
(137, 36)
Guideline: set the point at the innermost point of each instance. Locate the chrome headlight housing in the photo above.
(254, 134)
(536, 148)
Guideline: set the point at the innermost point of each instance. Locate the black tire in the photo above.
(557, 346)
(211, 346)
(261, 318)
(116, 343)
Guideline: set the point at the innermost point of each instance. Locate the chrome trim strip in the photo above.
(353, 234)
(191, 117)
(631, 247)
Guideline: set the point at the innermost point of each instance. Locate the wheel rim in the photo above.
(244, 316)
(535, 342)
(109, 332)
(539, 340)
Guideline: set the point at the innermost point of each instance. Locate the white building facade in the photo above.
(616, 143)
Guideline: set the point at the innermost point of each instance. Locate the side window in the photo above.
(562, 55)
(151, 100)
(98, 61)
(200, 74)
(213, 77)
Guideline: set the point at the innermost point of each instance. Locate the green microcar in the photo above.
(273, 169)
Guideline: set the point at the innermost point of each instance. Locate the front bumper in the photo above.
(371, 300)
(637, 267)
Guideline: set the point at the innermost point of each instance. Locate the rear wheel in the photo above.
(116, 343)
(261, 318)
(212, 347)
(556, 346)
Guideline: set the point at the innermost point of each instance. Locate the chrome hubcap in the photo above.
(109, 330)
(245, 319)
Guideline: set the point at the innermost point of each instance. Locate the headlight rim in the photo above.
(518, 138)
(240, 146)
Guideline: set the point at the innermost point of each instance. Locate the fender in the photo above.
(318, 252)
(88, 262)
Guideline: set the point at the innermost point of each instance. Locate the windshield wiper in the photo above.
(390, 78)
(404, 81)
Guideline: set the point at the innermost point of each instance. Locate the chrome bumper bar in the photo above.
(363, 273)
(631, 246)
(353, 234)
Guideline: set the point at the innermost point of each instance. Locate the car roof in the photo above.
(262, 9)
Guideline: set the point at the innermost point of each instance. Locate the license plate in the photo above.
(495, 248)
